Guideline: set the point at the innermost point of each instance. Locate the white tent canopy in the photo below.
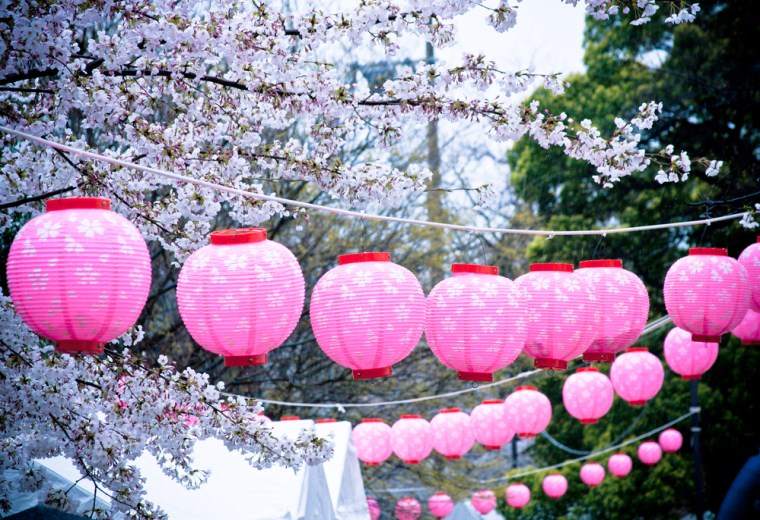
(465, 511)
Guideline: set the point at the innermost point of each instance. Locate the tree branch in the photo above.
(35, 198)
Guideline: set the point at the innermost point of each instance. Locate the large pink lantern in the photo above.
(440, 505)
(527, 411)
(620, 464)
(517, 495)
(241, 296)
(562, 314)
(489, 424)
(637, 376)
(748, 331)
(412, 438)
(750, 259)
(592, 474)
(554, 485)
(670, 440)
(476, 321)
(452, 433)
(650, 453)
(587, 395)
(687, 358)
(408, 509)
(374, 508)
(372, 438)
(707, 293)
(368, 313)
(79, 274)
(484, 501)
(624, 307)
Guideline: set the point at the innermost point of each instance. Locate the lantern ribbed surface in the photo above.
(374, 508)
(637, 376)
(650, 453)
(372, 438)
(368, 313)
(687, 358)
(408, 509)
(587, 395)
(490, 425)
(670, 440)
(707, 293)
(620, 464)
(554, 485)
(592, 474)
(484, 501)
(527, 411)
(750, 259)
(79, 274)
(440, 505)
(748, 331)
(623, 307)
(452, 433)
(412, 438)
(241, 296)
(562, 313)
(476, 322)
(517, 495)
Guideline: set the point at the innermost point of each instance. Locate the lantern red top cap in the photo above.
(290, 418)
(77, 203)
(450, 410)
(758, 239)
(226, 237)
(322, 421)
(567, 268)
(493, 401)
(353, 258)
(587, 369)
(526, 388)
(372, 419)
(718, 251)
(474, 268)
(411, 417)
(601, 263)
(638, 349)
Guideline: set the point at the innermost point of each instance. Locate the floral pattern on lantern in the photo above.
(484, 501)
(748, 331)
(372, 438)
(670, 440)
(517, 495)
(440, 505)
(620, 464)
(687, 358)
(592, 474)
(374, 508)
(79, 274)
(452, 433)
(489, 424)
(412, 438)
(707, 293)
(408, 509)
(637, 376)
(554, 485)
(368, 313)
(649, 453)
(476, 321)
(527, 411)
(750, 259)
(587, 395)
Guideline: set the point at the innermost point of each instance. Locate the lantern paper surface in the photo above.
(707, 293)
(372, 438)
(367, 313)
(748, 331)
(241, 296)
(687, 358)
(671, 440)
(554, 485)
(527, 411)
(490, 425)
(412, 438)
(592, 474)
(440, 505)
(408, 509)
(484, 501)
(623, 306)
(750, 259)
(374, 508)
(79, 274)
(637, 376)
(476, 321)
(452, 433)
(517, 495)
(649, 453)
(620, 464)
(587, 395)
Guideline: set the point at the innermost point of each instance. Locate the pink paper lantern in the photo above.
(490, 425)
(554, 485)
(687, 358)
(408, 509)
(372, 438)
(562, 312)
(412, 438)
(476, 321)
(452, 433)
(587, 395)
(750, 259)
(671, 440)
(517, 495)
(527, 411)
(620, 464)
(440, 505)
(368, 313)
(707, 293)
(374, 508)
(637, 376)
(592, 474)
(623, 307)
(649, 453)
(748, 331)
(484, 501)
(79, 274)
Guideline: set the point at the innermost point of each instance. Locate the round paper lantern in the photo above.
(587, 395)
(367, 313)
(412, 438)
(408, 509)
(372, 438)
(527, 411)
(241, 296)
(79, 274)
(750, 259)
(649, 453)
(671, 440)
(374, 508)
(554, 485)
(687, 358)
(489, 424)
(440, 505)
(707, 293)
(637, 375)
(452, 433)
(484, 501)
(620, 464)
(592, 474)
(623, 307)
(517, 495)
(476, 321)
(748, 331)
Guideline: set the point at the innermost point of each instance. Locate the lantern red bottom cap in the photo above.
(604, 357)
(527, 435)
(701, 338)
(371, 463)
(413, 461)
(695, 377)
(481, 377)
(637, 403)
(453, 457)
(589, 421)
(749, 343)
(78, 346)
(245, 361)
(371, 373)
(493, 448)
(556, 364)
(670, 451)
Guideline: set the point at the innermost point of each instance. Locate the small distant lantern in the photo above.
(620, 464)
(687, 358)
(554, 485)
(452, 433)
(670, 440)
(484, 501)
(587, 395)
(374, 508)
(412, 439)
(408, 509)
(650, 453)
(750, 259)
(592, 474)
(441, 505)
(637, 376)
(490, 425)
(527, 411)
(372, 438)
(517, 495)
